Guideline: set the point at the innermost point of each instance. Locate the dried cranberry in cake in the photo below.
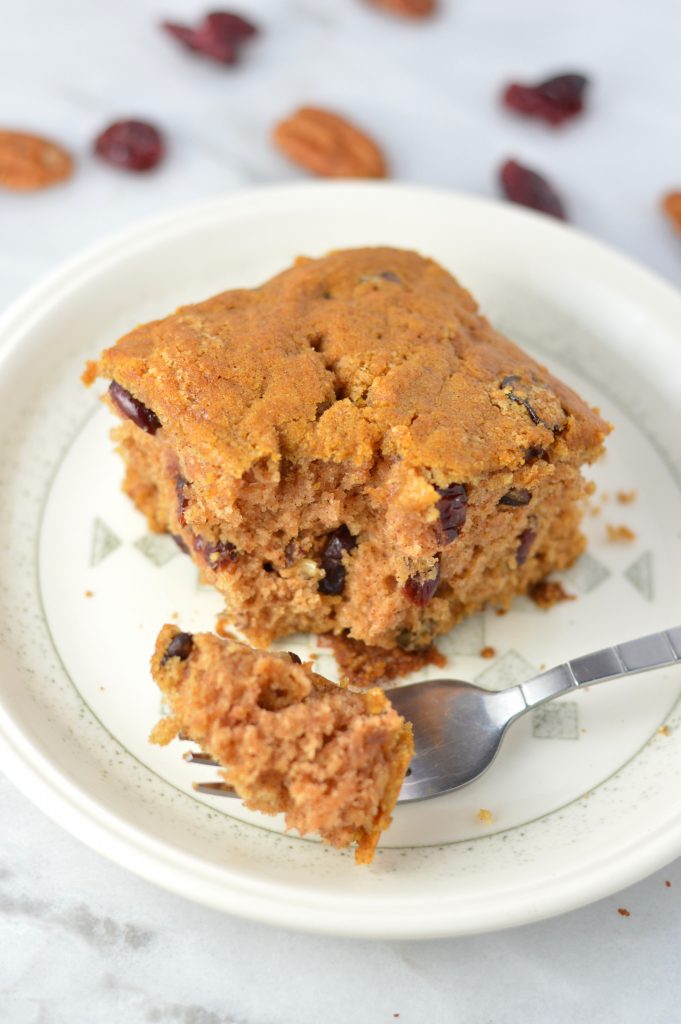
(516, 497)
(420, 588)
(179, 647)
(533, 453)
(133, 409)
(341, 540)
(555, 100)
(523, 185)
(218, 554)
(525, 542)
(452, 506)
(182, 499)
(520, 392)
(180, 543)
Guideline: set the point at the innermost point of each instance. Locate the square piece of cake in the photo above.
(331, 760)
(351, 448)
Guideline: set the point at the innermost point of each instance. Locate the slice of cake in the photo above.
(352, 448)
(331, 760)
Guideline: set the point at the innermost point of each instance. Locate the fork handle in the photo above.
(654, 651)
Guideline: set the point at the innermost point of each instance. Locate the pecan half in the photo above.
(326, 144)
(407, 8)
(28, 162)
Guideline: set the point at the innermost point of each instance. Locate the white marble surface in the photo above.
(81, 939)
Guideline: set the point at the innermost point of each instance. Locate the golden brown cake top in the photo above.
(362, 353)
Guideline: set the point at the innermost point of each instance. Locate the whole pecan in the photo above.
(326, 144)
(671, 204)
(407, 8)
(28, 162)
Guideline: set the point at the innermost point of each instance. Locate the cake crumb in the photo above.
(596, 510)
(89, 593)
(626, 497)
(667, 884)
(620, 534)
(484, 816)
(364, 665)
(89, 374)
(502, 611)
(623, 912)
(222, 628)
(488, 652)
(664, 730)
(547, 593)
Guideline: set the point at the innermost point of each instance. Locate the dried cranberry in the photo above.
(182, 499)
(218, 554)
(182, 33)
(290, 553)
(226, 24)
(516, 497)
(525, 542)
(218, 36)
(337, 542)
(452, 506)
(133, 409)
(420, 588)
(179, 647)
(180, 542)
(534, 452)
(515, 395)
(133, 145)
(555, 100)
(524, 186)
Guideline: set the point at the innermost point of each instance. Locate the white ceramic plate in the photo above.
(584, 795)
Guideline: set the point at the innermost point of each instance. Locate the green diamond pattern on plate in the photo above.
(509, 669)
(104, 541)
(468, 637)
(558, 721)
(640, 575)
(159, 548)
(586, 574)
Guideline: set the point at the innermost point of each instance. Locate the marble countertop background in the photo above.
(80, 939)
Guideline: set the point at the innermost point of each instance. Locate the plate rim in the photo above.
(161, 862)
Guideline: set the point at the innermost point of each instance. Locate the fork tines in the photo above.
(214, 788)
(199, 757)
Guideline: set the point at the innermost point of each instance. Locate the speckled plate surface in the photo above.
(584, 796)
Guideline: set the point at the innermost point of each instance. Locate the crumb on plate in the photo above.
(620, 534)
(547, 593)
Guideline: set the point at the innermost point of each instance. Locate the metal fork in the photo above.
(458, 727)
